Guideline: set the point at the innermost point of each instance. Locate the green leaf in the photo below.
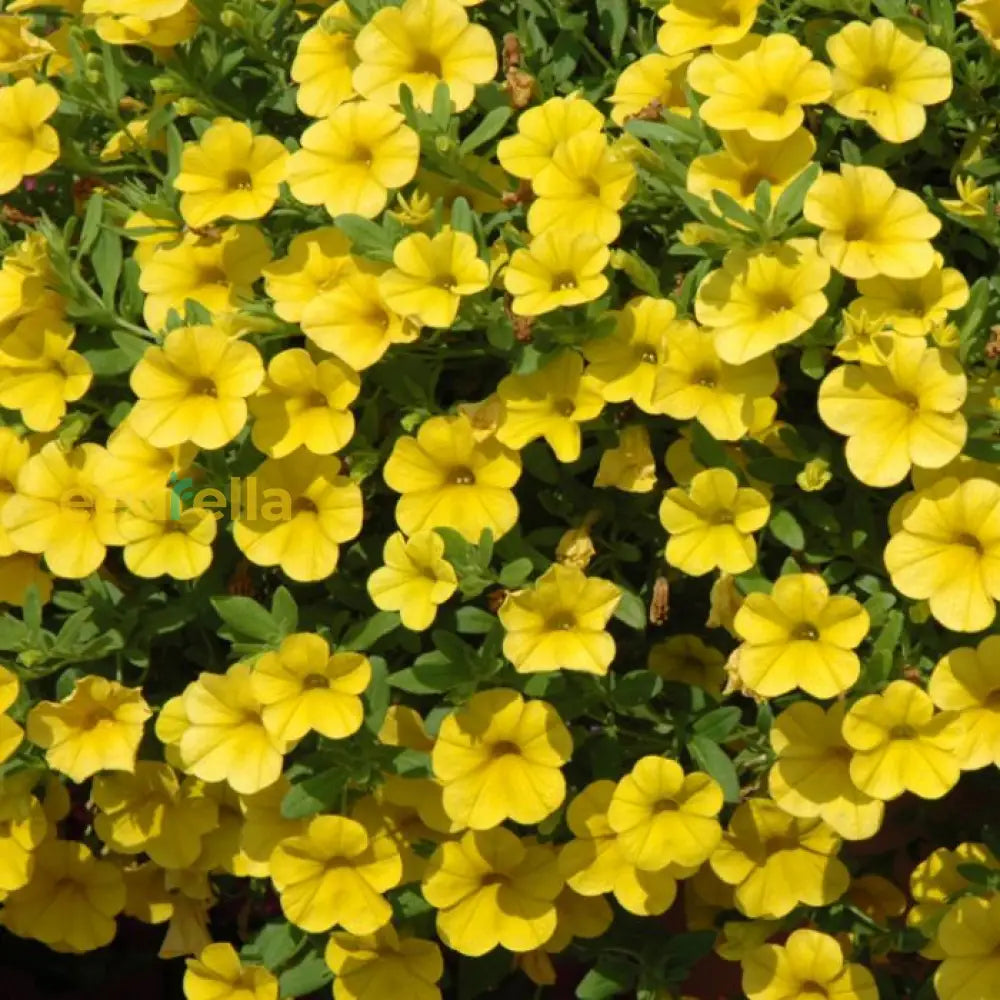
(246, 619)
(793, 197)
(307, 977)
(365, 634)
(107, 261)
(614, 16)
(441, 107)
(274, 944)
(284, 610)
(716, 725)
(461, 217)
(431, 674)
(491, 125)
(787, 530)
(631, 610)
(515, 573)
(367, 238)
(314, 794)
(474, 621)
(611, 977)
(712, 759)
(91, 223)
(638, 687)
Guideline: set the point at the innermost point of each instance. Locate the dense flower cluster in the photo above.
(502, 498)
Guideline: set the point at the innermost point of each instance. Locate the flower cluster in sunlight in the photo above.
(500, 498)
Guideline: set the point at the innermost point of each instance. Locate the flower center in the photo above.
(728, 16)
(505, 748)
(909, 400)
(811, 990)
(775, 104)
(362, 155)
(213, 275)
(880, 78)
(970, 541)
(563, 281)
(6, 487)
(749, 182)
(856, 230)
(649, 356)
(665, 806)
(902, 733)
(562, 621)
(446, 281)
(805, 631)
(721, 517)
(316, 400)
(461, 475)
(94, 717)
(707, 379)
(426, 62)
(776, 300)
(81, 501)
(239, 180)
(312, 681)
(303, 505)
(494, 878)
(992, 701)
(564, 407)
(782, 842)
(203, 387)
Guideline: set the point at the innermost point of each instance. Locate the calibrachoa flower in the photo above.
(630, 465)
(654, 77)
(384, 964)
(969, 939)
(686, 659)
(27, 144)
(697, 24)
(217, 972)
(560, 623)
(544, 129)
(500, 757)
(324, 63)
(556, 270)
(415, 579)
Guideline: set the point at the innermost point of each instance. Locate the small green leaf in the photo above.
(246, 619)
(787, 530)
(712, 759)
(365, 634)
(307, 977)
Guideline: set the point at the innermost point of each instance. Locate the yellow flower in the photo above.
(556, 270)
(814, 476)
(415, 579)
(500, 757)
(582, 189)
(902, 413)
(14, 452)
(760, 86)
(303, 403)
(871, 227)
(761, 299)
(133, 467)
(218, 729)
(217, 273)
(23, 827)
(218, 974)
(550, 403)
(334, 875)
(663, 816)
(914, 307)
(945, 550)
(593, 862)
(798, 636)
(421, 44)
(134, 136)
(317, 262)
(324, 62)
(544, 129)
(809, 964)
(353, 321)
(698, 24)
(777, 862)
(985, 18)
(885, 75)
(304, 688)
(317, 509)
(967, 681)
(18, 573)
(630, 466)
(969, 937)
(711, 524)
(811, 776)
(973, 199)
(877, 898)
(686, 659)
(11, 733)
(626, 361)
(151, 812)
(431, 274)
(384, 964)
(153, 23)
(162, 540)
(901, 745)
(21, 52)
(695, 383)
(350, 160)
(230, 172)
(653, 80)
(194, 388)
(71, 901)
(490, 889)
(39, 374)
(27, 145)
(448, 479)
(560, 623)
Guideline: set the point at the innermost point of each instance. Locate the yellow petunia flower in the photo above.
(500, 757)
(420, 44)
(698, 24)
(384, 964)
(869, 226)
(334, 875)
(303, 404)
(759, 85)
(449, 479)
(686, 659)
(549, 403)
(886, 75)
(944, 550)
(663, 816)
(556, 271)
(304, 688)
(799, 636)
(324, 63)
(18, 573)
(264, 827)
(14, 453)
(544, 129)
(902, 413)
(194, 388)
(807, 964)
(695, 383)
(967, 681)
(490, 888)
(759, 300)
(156, 24)
(630, 466)
(985, 18)
(230, 172)
(777, 861)
(711, 524)
(969, 938)
(11, 734)
(27, 145)
(349, 161)
(811, 777)
(162, 540)
(218, 974)
(654, 80)
(415, 579)
(314, 511)
(23, 827)
(21, 52)
(133, 468)
(432, 274)
(901, 745)
(560, 623)
(973, 199)
(71, 901)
